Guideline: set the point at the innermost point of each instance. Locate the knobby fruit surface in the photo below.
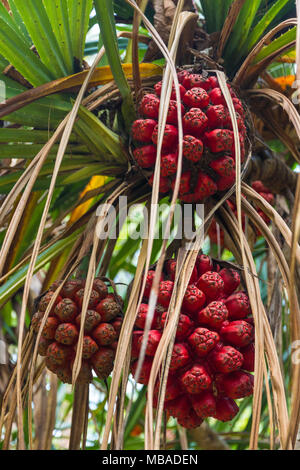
(213, 355)
(59, 336)
(208, 140)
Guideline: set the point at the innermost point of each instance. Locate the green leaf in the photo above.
(283, 40)
(209, 9)
(79, 14)
(45, 113)
(241, 29)
(105, 14)
(27, 135)
(103, 138)
(263, 24)
(19, 22)
(14, 48)
(221, 14)
(39, 27)
(57, 11)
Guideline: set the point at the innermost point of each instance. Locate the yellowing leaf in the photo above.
(95, 182)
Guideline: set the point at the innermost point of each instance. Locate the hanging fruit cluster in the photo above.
(208, 142)
(213, 354)
(59, 337)
(215, 232)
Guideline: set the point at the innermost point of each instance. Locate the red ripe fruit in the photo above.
(165, 293)
(149, 282)
(217, 116)
(172, 117)
(185, 183)
(58, 353)
(184, 326)
(164, 184)
(85, 374)
(203, 341)
(195, 122)
(145, 156)
(169, 164)
(170, 266)
(192, 148)
(219, 140)
(196, 379)
(211, 284)
(152, 342)
(198, 81)
(196, 98)
(238, 306)
(93, 300)
(194, 276)
(142, 130)
(108, 309)
(100, 287)
(216, 97)
(237, 384)
(231, 280)
(226, 409)
(224, 167)
(226, 182)
(69, 289)
(92, 319)
(170, 137)
(239, 333)
(179, 407)
(43, 346)
(45, 300)
(149, 106)
(182, 75)
(240, 123)
(190, 421)
(269, 197)
(205, 186)
(204, 404)
(50, 327)
(182, 90)
(195, 80)
(180, 357)
(213, 81)
(204, 263)
(249, 357)
(141, 318)
(226, 359)
(213, 315)
(104, 334)
(193, 299)
(145, 371)
(117, 324)
(259, 187)
(242, 149)
(103, 362)
(89, 347)
(66, 333)
(172, 390)
(216, 234)
(135, 351)
(64, 374)
(238, 107)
